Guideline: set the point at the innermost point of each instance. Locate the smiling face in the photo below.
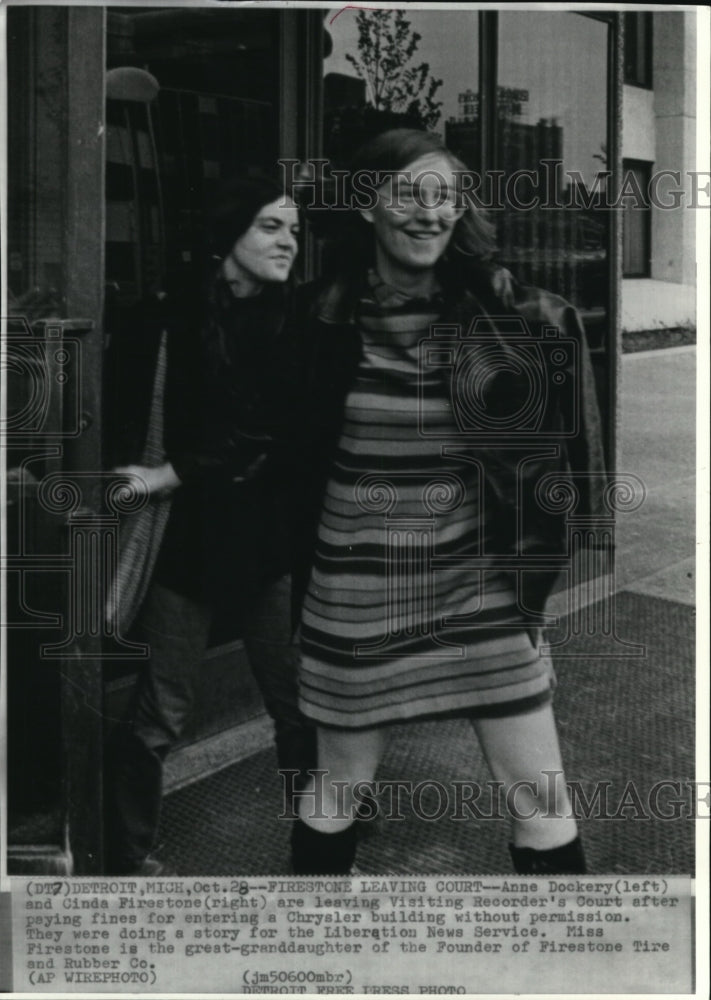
(414, 220)
(266, 251)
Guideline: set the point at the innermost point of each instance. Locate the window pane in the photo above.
(423, 84)
(36, 127)
(638, 49)
(215, 114)
(636, 223)
(552, 121)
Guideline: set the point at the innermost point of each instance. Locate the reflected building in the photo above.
(519, 145)
(544, 235)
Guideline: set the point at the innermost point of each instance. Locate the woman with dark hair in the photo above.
(422, 486)
(220, 418)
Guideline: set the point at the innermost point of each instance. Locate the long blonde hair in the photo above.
(473, 242)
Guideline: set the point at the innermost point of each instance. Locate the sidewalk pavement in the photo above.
(623, 719)
(656, 544)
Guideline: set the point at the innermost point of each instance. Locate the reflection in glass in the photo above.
(36, 122)
(391, 68)
(551, 119)
(545, 182)
(214, 114)
(550, 126)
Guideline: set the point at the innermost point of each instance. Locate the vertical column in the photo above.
(82, 689)
(301, 39)
(612, 360)
(674, 126)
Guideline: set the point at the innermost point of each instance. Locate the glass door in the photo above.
(523, 98)
(193, 98)
(551, 126)
(122, 121)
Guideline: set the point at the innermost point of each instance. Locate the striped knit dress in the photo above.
(388, 635)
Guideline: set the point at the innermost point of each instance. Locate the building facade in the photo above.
(659, 138)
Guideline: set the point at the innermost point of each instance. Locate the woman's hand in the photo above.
(162, 479)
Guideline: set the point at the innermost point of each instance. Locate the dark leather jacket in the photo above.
(540, 426)
(225, 532)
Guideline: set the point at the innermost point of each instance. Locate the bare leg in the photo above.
(347, 756)
(524, 749)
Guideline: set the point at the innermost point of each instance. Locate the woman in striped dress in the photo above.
(407, 611)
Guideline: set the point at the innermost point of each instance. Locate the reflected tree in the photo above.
(386, 48)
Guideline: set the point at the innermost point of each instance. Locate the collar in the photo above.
(337, 300)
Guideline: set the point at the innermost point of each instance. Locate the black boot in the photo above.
(566, 860)
(316, 853)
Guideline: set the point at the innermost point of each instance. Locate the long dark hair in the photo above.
(234, 207)
(472, 244)
(233, 210)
